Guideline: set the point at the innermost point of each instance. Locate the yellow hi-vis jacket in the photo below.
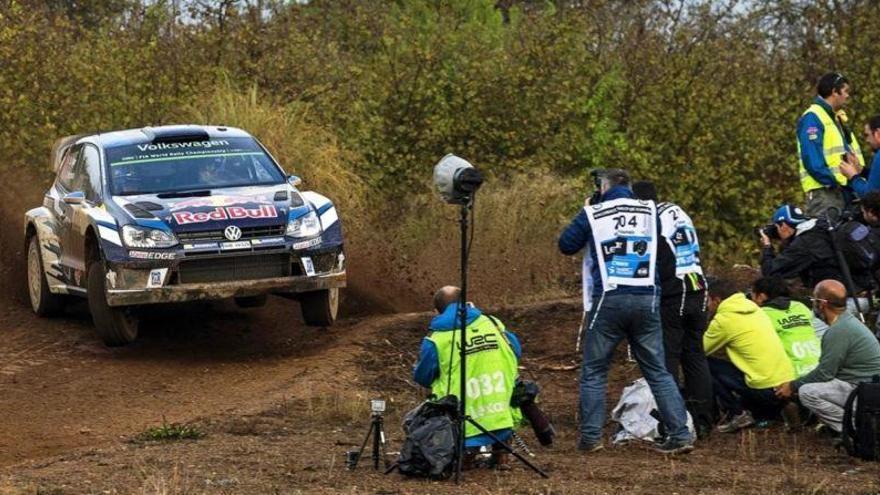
(833, 148)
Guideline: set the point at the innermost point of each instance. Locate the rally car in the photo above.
(178, 213)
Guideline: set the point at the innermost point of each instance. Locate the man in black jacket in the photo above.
(683, 306)
(806, 251)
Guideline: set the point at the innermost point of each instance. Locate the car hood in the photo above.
(241, 206)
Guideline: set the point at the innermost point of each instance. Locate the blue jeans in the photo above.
(637, 319)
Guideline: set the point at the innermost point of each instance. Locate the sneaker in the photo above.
(674, 447)
(738, 422)
(590, 447)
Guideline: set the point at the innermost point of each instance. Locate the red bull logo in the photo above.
(224, 213)
(218, 201)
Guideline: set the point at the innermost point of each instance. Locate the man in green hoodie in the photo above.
(757, 360)
(850, 354)
(792, 321)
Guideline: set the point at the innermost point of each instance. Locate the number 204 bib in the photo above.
(625, 240)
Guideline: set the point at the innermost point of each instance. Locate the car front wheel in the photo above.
(43, 302)
(319, 308)
(117, 326)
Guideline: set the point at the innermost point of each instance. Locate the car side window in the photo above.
(66, 172)
(88, 170)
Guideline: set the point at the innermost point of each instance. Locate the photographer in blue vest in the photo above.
(620, 237)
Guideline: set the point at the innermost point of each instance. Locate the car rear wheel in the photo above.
(319, 308)
(117, 326)
(251, 301)
(43, 302)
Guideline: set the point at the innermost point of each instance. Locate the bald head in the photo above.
(833, 293)
(446, 296)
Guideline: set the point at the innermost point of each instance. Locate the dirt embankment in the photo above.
(280, 403)
(279, 410)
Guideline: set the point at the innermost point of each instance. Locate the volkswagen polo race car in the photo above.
(178, 213)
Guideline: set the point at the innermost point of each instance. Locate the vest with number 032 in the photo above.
(491, 373)
(833, 149)
(677, 229)
(795, 329)
(625, 239)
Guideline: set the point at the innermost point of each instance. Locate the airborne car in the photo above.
(178, 213)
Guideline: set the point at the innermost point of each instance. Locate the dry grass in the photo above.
(303, 147)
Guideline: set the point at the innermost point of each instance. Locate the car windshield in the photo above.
(150, 168)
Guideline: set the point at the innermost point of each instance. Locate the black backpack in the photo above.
(859, 245)
(431, 444)
(861, 421)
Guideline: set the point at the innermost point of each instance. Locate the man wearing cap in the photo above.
(806, 251)
(824, 142)
(624, 282)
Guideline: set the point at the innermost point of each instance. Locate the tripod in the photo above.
(462, 393)
(377, 431)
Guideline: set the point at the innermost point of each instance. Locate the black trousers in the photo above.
(683, 327)
(734, 396)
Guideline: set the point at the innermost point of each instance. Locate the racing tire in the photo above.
(319, 308)
(43, 302)
(117, 326)
(251, 301)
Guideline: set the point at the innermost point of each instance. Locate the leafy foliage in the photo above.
(364, 97)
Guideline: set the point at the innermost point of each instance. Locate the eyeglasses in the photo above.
(837, 78)
(814, 299)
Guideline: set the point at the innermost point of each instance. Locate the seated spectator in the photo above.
(744, 385)
(806, 251)
(850, 354)
(792, 321)
(493, 361)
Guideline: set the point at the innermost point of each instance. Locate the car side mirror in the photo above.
(294, 180)
(74, 198)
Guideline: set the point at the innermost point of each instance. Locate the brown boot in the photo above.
(469, 461)
(500, 460)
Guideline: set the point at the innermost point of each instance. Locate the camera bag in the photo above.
(861, 421)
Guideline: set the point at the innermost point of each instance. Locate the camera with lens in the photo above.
(456, 180)
(524, 395)
(769, 230)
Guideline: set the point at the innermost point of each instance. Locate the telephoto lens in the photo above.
(540, 423)
(524, 395)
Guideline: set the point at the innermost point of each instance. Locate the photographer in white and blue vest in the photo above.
(620, 237)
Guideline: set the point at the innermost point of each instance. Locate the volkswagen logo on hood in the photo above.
(232, 233)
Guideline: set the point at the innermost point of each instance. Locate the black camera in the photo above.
(596, 177)
(769, 230)
(524, 395)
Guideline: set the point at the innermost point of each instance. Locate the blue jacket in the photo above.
(427, 368)
(578, 234)
(863, 186)
(810, 132)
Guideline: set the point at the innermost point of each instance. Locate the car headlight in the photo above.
(142, 237)
(307, 225)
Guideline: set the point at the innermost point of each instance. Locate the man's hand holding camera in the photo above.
(850, 166)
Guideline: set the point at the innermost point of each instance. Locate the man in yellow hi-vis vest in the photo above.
(493, 353)
(824, 141)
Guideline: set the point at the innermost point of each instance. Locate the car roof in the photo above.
(148, 134)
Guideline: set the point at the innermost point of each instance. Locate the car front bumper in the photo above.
(222, 290)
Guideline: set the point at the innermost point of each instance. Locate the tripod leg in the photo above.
(363, 446)
(376, 427)
(381, 434)
(507, 447)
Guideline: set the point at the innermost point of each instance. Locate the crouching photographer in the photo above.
(806, 250)
(493, 356)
